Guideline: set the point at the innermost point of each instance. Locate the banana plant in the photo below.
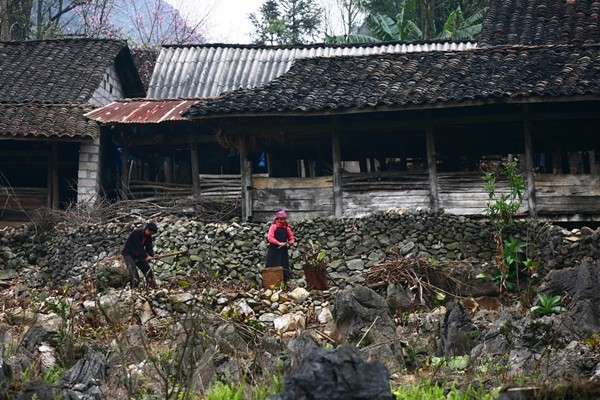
(384, 28)
(457, 27)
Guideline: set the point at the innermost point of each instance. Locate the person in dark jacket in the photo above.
(280, 237)
(137, 253)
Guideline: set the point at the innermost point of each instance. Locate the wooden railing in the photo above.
(21, 202)
(223, 186)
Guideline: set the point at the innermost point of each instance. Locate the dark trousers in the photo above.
(133, 265)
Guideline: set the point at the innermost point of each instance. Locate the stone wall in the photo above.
(236, 250)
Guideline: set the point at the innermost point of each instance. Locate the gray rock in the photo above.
(339, 374)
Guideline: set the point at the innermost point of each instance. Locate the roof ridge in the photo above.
(315, 45)
(69, 39)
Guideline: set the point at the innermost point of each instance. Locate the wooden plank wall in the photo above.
(463, 193)
(557, 196)
(300, 197)
(380, 191)
(568, 195)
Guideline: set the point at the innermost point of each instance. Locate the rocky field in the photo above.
(415, 295)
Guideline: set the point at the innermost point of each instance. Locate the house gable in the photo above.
(46, 86)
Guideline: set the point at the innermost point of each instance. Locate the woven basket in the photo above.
(272, 277)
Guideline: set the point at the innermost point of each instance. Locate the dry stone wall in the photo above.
(235, 251)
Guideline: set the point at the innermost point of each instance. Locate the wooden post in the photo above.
(431, 161)
(124, 171)
(55, 177)
(195, 166)
(531, 201)
(337, 168)
(169, 170)
(246, 178)
(49, 169)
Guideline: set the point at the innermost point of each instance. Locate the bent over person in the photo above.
(137, 252)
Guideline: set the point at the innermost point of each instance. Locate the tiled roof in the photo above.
(66, 71)
(45, 85)
(46, 120)
(197, 71)
(405, 80)
(541, 22)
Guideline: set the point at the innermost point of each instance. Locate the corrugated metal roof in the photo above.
(141, 111)
(199, 71)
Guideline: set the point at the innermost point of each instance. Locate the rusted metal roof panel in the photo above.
(144, 111)
(198, 71)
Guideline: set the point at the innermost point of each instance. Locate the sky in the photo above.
(227, 20)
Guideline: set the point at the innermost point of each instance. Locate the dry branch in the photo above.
(421, 276)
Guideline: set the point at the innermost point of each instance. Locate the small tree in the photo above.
(501, 209)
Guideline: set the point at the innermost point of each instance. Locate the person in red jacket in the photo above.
(280, 237)
(137, 253)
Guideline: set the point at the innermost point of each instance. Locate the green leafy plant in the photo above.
(225, 391)
(593, 341)
(513, 251)
(314, 256)
(52, 375)
(548, 304)
(501, 209)
(431, 391)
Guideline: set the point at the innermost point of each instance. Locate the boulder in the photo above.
(339, 374)
(579, 287)
(458, 333)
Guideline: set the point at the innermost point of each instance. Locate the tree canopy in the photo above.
(286, 22)
(144, 22)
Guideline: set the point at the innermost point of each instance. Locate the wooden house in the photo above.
(420, 126)
(49, 152)
(165, 153)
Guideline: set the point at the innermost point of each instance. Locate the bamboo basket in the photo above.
(272, 277)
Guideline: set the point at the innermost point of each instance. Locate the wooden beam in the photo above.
(431, 161)
(337, 168)
(319, 126)
(531, 201)
(161, 140)
(246, 172)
